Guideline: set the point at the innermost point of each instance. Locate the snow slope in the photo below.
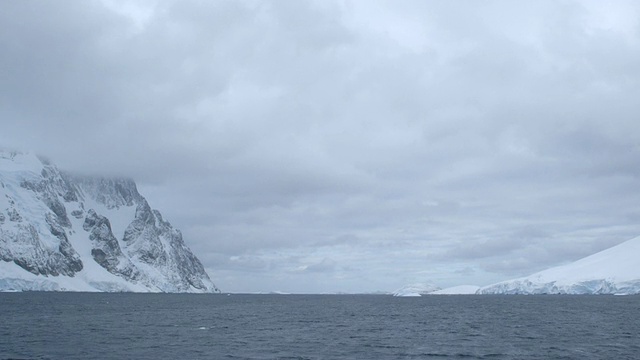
(64, 232)
(612, 271)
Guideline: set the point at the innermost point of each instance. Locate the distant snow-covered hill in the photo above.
(64, 232)
(417, 289)
(612, 271)
(457, 290)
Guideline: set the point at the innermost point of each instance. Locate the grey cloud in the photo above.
(326, 265)
(389, 137)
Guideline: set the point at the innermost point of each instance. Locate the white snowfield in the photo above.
(48, 241)
(612, 271)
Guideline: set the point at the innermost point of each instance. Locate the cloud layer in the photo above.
(344, 145)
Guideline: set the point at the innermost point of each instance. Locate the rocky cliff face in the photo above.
(64, 232)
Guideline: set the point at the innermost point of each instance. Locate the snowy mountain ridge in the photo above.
(64, 232)
(612, 271)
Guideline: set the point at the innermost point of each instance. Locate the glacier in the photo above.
(65, 232)
(615, 270)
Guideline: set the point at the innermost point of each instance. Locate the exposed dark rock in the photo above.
(152, 240)
(106, 250)
(113, 193)
(14, 215)
(141, 236)
(65, 248)
(35, 186)
(58, 209)
(32, 255)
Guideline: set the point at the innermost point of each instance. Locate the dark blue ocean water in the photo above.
(151, 326)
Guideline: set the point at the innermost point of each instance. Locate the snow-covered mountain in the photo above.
(64, 232)
(613, 271)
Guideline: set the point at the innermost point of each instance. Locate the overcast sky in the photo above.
(321, 146)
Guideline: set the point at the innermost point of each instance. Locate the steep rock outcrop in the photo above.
(66, 232)
(105, 249)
